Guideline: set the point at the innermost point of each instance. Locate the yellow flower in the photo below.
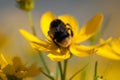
(60, 48)
(111, 50)
(17, 70)
(3, 61)
(25, 5)
(2, 76)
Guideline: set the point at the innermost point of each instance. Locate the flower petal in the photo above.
(107, 52)
(115, 44)
(68, 19)
(82, 51)
(2, 57)
(45, 21)
(55, 53)
(38, 44)
(59, 57)
(30, 37)
(48, 47)
(34, 41)
(110, 50)
(90, 28)
(33, 70)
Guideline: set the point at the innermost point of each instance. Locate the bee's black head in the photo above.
(55, 23)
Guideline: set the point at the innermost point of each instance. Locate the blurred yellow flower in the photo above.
(4, 40)
(25, 5)
(17, 70)
(59, 51)
(111, 50)
(2, 76)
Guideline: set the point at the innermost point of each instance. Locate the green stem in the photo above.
(88, 67)
(60, 70)
(57, 72)
(49, 76)
(65, 68)
(95, 70)
(34, 33)
(31, 22)
(78, 72)
(43, 62)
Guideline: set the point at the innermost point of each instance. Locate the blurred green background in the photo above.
(12, 19)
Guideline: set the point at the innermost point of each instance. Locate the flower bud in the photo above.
(25, 5)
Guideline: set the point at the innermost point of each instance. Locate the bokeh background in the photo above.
(13, 44)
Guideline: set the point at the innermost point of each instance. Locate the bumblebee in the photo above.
(60, 33)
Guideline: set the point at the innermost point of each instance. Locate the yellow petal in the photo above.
(17, 62)
(39, 46)
(34, 41)
(47, 47)
(90, 28)
(45, 21)
(107, 52)
(106, 41)
(81, 51)
(3, 58)
(58, 56)
(30, 37)
(33, 70)
(115, 45)
(110, 49)
(68, 19)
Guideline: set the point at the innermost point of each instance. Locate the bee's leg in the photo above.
(55, 42)
(53, 39)
(50, 35)
(69, 25)
(71, 32)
